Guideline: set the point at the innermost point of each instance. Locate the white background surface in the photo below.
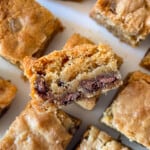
(75, 18)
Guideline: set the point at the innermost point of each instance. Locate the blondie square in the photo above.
(145, 62)
(41, 126)
(127, 19)
(76, 40)
(129, 113)
(25, 29)
(7, 94)
(95, 139)
(68, 75)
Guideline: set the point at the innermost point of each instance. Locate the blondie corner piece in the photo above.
(78, 40)
(94, 139)
(41, 126)
(73, 74)
(129, 113)
(146, 60)
(25, 29)
(128, 20)
(7, 94)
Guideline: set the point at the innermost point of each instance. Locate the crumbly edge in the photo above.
(115, 29)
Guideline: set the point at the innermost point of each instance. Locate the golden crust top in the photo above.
(100, 55)
(25, 28)
(130, 111)
(132, 17)
(40, 126)
(7, 93)
(95, 139)
(76, 40)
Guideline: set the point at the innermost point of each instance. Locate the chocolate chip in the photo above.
(89, 85)
(69, 97)
(41, 73)
(105, 78)
(40, 85)
(99, 82)
(60, 83)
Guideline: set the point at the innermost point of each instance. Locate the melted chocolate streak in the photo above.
(89, 86)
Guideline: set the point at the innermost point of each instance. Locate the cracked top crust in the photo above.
(40, 126)
(132, 17)
(130, 111)
(25, 28)
(98, 140)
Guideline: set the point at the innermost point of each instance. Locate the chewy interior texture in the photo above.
(78, 40)
(69, 75)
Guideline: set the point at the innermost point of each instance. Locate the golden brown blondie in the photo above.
(25, 29)
(95, 139)
(7, 94)
(146, 60)
(129, 113)
(41, 126)
(69, 75)
(127, 19)
(76, 40)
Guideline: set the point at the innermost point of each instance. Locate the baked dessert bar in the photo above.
(41, 126)
(25, 29)
(146, 60)
(72, 74)
(129, 113)
(7, 94)
(76, 40)
(94, 139)
(127, 19)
